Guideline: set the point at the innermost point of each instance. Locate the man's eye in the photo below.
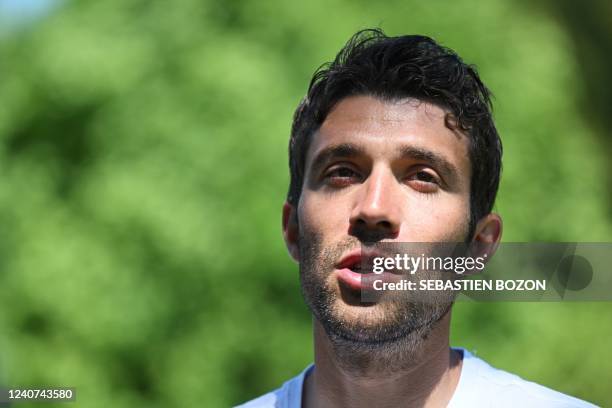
(424, 181)
(341, 176)
(426, 177)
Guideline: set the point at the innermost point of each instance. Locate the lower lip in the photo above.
(363, 281)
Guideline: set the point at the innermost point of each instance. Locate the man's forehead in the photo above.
(371, 111)
(376, 124)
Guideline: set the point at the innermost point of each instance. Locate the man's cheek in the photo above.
(316, 221)
(442, 223)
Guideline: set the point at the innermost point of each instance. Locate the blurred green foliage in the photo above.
(143, 161)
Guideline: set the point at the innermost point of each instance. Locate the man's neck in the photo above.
(426, 379)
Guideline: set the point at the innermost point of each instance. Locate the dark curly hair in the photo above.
(392, 68)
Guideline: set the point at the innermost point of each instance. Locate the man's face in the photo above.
(377, 171)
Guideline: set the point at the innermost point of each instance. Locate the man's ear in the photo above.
(487, 235)
(291, 230)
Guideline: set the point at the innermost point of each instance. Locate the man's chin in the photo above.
(378, 324)
(349, 321)
(363, 323)
(362, 314)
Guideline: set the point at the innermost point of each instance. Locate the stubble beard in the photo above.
(385, 337)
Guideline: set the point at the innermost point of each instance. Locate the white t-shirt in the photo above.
(480, 385)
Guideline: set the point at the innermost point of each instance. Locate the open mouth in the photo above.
(356, 263)
(355, 271)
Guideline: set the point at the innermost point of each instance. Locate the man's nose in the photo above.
(376, 213)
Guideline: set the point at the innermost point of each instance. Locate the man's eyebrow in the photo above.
(438, 161)
(344, 150)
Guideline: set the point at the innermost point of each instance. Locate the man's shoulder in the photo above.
(289, 395)
(481, 383)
